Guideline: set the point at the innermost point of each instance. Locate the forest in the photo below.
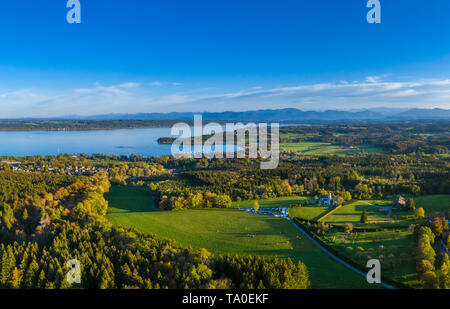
(44, 227)
(361, 177)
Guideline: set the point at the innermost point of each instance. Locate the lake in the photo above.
(117, 142)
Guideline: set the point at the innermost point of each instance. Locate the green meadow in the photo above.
(351, 213)
(392, 247)
(317, 148)
(229, 231)
(433, 203)
(308, 213)
(129, 199)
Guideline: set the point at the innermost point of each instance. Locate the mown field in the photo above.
(230, 231)
(308, 213)
(351, 213)
(317, 148)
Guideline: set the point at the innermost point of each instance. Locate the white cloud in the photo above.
(156, 84)
(132, 97)
(107, 90)
(373, 92)
(376, 79)
(130, 85)
(372, 79)
(405, 93)
(159, 84)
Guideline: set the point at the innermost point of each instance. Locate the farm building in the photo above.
(327, 200)
(399, 203)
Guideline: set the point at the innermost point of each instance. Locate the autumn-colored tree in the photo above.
(15, 279)
(256, 206)
(419, 213)
(424, 266)
(437, 226)
(152, 186)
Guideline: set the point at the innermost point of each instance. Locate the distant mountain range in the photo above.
(287, 114)
(281, 115)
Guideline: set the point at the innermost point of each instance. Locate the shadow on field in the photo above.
(123, 199)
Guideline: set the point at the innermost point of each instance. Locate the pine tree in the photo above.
(147, 284)
(30, 275)
(25, 215)
(7, 216)
(41, 280)
(8, 264)
(364, 217)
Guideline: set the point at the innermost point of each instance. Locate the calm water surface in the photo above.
(110, 142)
(118, 142)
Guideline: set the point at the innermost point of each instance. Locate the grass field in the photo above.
(230, 231)
(129, 199)
(291, 135)
(351, 213)
(272, 202)
(392, 247)
(316, 148)
(308, 213)
(433, 203)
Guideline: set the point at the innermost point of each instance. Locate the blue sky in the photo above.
(215, 55)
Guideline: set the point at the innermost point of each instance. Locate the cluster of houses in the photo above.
(70, 170)
(20, 169)
(83, 170)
